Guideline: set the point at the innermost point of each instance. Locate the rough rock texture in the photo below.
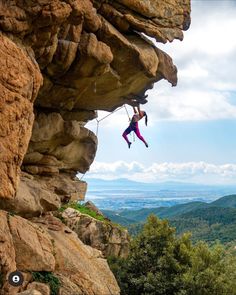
(7, 252)
(58, 145)
(20, 80)
(93, 55)
(30, 292)
(37, 194)
(84, 266)
(86, 56)
(91, 206)
(159, 19)
(102, 235)
(33, 247)
(68, 287)
(45, 244)
(42, 288)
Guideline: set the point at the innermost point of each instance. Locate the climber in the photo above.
(133, 126)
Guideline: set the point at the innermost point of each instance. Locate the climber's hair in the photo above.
(146, 118)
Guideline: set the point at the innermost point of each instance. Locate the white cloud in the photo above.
(190, 104)
(192, 71)
(116, 168)
(198, 172)
(206, 68)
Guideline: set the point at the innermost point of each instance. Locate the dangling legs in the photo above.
(125, 133)
(137, 132)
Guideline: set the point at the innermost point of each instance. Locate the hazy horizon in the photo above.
(126, 194)
(89, 179)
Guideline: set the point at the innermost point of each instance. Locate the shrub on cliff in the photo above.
(160, 263)
(82, 209)
(47, 278)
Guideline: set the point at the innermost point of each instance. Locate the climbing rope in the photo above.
(103, 118)
(127, 113)
(129, 121)
(81, 178)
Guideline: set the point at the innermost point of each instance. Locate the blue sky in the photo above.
(191, 130)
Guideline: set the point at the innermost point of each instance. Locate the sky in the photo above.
(191, 128)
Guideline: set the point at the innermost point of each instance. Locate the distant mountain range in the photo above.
(207, 221)
(167, 185)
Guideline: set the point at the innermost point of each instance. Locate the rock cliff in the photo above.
(45, 244)
(61, 61)
(111, 239)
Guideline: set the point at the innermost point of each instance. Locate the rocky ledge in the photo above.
(111, 239)
(46, 244)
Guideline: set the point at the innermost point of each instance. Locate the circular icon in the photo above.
(15, 278)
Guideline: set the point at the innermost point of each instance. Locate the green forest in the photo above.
(209, 222)
(162, 263)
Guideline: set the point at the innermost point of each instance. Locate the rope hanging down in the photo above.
(127, 113)
(129, 121)
(103, 118)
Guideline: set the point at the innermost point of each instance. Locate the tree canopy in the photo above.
(160, 263)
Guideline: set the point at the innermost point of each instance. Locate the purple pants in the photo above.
(133, 127)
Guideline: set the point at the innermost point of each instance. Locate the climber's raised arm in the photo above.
(139, 111)
(135, 111)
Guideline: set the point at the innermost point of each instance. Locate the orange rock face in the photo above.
(45, 244)
(60, 62)
(20, 80)
(104, 236)
(93, 55)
